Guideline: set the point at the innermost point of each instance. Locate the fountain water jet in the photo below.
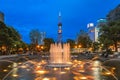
(59, 55)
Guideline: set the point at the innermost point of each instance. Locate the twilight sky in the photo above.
(25, 15)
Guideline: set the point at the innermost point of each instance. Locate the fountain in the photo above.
(59, 55)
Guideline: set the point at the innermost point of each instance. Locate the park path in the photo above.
(8, 56)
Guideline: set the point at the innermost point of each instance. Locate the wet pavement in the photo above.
(34, 68)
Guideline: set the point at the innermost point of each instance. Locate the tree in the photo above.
(35, 37)
(95, 46)
(47, 43)
(84, 40)
(114, 14)
(110, 35)
(8, 36)
(71, 42)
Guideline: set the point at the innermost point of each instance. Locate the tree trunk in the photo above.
(116, 46)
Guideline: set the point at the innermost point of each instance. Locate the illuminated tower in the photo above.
(59, 28)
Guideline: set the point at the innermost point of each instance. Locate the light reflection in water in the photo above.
(96, 70)
(46, 78)
(15, 70)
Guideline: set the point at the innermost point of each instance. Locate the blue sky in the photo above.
(25, 15)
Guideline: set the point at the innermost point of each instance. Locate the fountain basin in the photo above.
(58, 65)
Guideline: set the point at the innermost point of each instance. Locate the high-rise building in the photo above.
(91, 31)
(100, 23)
(59, 29)
(2, 16)
(96, 34)
(94, 30)
(43, 35)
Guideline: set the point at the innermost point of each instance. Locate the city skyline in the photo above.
(43, 15)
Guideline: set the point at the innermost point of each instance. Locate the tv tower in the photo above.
(59, 28)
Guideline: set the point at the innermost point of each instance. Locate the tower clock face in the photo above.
(59, 31)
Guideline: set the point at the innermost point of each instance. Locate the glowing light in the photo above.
(81, 66)
(80, 78)
(5, 70)
(108, 73)
(15, 75)
(83, 78)
(79, 46)
(94, 68)
(19, 63)
(45, 79)
(74, 65)
(81, 70)
(75, 60)
(41, 72)
(43, 62)
(38, 66)
(55, 69)
(113, 68)
(42, 47)
(38, 46)
(39, 78)
(15, 65)
(96, 64)
(75, 46)
(9, 66)
(67, 68)
(28, 69)
(80, 62)
(62, 72)
(23, 66)
(69, 63)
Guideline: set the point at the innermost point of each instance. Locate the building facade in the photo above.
(43, 35)
(94, 31)
(91, 29)
(100, 23)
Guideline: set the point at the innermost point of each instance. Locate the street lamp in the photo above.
(79, 46)
(38, 46)
(75, 47)
(42, 47)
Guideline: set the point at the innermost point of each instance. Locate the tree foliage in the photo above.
(35, 36)
(9, 36)
(84, 40)
(110, 34)
(95, 46)
(71, 42)
(47, 43)
(114, 15)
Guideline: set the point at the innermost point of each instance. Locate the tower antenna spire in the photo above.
(59, 13)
